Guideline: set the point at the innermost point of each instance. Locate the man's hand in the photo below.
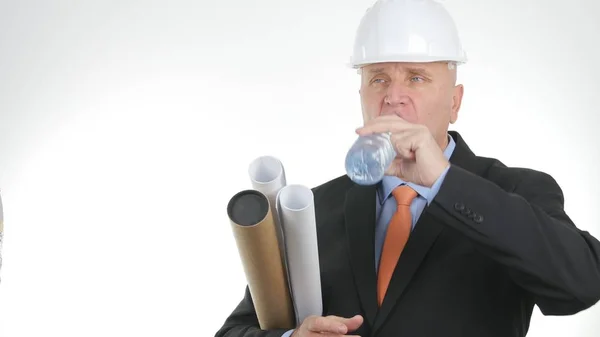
(329, 326)
(420, 159)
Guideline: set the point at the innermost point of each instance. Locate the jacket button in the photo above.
(478, 219)
(459, 207)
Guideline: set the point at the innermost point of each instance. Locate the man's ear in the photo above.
(456, 102)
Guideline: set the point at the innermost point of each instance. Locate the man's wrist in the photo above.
(435, 188)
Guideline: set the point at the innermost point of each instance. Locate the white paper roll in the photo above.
(268, 177)
(297, 211)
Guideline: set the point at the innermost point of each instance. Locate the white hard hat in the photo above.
(407, 31)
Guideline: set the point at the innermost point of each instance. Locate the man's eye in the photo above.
(378, 80)
(417, 79)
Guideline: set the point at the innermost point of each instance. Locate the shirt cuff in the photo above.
(436, 187)
(288, 333)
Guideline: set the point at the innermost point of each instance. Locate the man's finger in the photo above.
(404, 143)
(352, 323)
(327, 324)
(345, 320)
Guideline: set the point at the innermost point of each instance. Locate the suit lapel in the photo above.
(420, 241)
(360, 230)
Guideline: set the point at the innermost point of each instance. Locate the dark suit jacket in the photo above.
(494, 243)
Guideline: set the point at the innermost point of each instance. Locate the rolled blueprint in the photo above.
(254, 231)
(297, 211)
(268, 177)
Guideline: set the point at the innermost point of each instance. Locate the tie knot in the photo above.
(404, 195)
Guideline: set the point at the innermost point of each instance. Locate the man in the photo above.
(474, 245)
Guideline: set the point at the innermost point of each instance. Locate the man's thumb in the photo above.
(354, 322)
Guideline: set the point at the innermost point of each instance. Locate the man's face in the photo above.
(421, 93)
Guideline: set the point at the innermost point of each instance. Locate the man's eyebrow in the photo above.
(376, 71)
(418, 71)
(410, 70)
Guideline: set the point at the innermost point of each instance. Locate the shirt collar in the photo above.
(388, 183)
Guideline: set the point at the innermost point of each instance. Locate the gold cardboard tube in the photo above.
(255, 234)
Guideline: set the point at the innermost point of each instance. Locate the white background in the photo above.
(126, 126)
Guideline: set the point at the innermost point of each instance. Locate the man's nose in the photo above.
(397, 94)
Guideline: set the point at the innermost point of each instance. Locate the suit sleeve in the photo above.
(528, 232)
(242, 322)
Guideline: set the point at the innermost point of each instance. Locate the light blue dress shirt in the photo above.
(386, 204)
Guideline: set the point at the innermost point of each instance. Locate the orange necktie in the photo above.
(395, 239)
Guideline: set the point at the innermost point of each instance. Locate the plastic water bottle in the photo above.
(369, 157)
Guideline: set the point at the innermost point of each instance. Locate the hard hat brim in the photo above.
(412, 58)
